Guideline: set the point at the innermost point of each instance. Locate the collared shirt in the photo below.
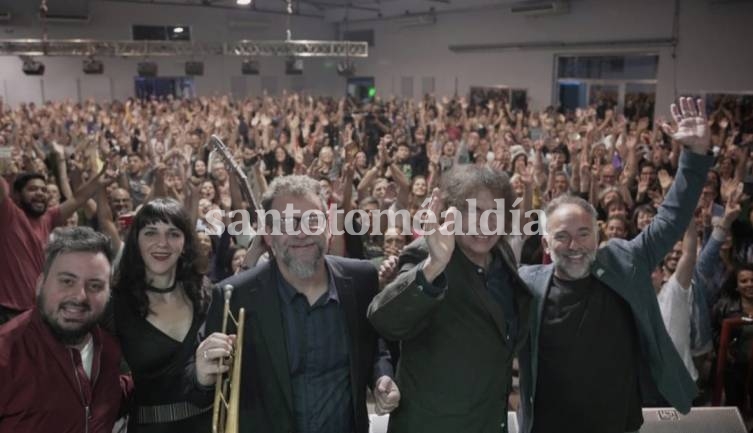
(319, 360)
(499, 285)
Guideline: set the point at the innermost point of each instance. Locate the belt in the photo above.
(168, 412)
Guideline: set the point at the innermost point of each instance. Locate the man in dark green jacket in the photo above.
(598, 350)
(460, 311)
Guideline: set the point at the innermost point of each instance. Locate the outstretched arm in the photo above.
(684, 271)
(86, 192)
(675, 213)
(404, 308)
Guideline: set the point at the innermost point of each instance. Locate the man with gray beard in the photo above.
(598, 348)
(309, 352)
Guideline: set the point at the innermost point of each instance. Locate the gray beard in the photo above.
(302, 269)
(560, 263)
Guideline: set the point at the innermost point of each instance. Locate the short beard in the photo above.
(68, 337)
(560, 263)
(28, 208)
(301, 269)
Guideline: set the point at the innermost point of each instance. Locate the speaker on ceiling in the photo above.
(33, 67)
(147, 69)
(93, 67)
(250, 67)
(293, 66)
(194, 68)
(346, 68)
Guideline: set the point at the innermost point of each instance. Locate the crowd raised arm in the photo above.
(108, 165)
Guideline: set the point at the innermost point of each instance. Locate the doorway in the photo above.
(161, 87)
(361, 89)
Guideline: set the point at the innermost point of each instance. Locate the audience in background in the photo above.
(384, 154)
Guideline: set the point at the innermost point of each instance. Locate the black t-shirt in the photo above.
(588, 361)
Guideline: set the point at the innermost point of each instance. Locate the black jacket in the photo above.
(266, 403)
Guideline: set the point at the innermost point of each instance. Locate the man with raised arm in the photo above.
(459, 310)
(598, 346)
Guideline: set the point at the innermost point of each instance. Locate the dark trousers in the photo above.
(735, 376)
(7, 313)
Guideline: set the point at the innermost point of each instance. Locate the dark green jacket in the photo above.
(455, 363)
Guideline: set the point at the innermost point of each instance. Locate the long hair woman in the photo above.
(158, 308)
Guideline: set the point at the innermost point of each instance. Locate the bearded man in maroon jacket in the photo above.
(59, 371)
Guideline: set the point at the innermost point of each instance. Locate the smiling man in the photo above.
(598, 348)
(25, 224)
(58, 370)
(460, 312)
(309, 353)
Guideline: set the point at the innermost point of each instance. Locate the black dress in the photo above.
(157, 363)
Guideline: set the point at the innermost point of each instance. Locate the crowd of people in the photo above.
(136, 183)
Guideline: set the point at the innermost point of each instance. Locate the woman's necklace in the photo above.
(150, 288)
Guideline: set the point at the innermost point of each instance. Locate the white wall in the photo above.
(64, 77)
(714, 51)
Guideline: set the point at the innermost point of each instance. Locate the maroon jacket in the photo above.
(41, 389)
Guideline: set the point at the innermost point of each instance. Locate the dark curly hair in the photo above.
(130, 277)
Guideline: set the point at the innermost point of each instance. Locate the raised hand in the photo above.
(643, 124)
(526, 175)
(631, 142)
(665, 180)
(439, 239)
(109, 173)
(58, 149)
(692, 129)
(732, 209)
(348, 171)
(642, 187)
(538, 145)
(585, 169)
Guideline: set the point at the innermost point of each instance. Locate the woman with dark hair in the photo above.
(736, 302)
(642, 217)
(158, 307)
(198, 172)
(278, 162)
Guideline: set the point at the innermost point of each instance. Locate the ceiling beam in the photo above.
(349, 5)
(215, 6)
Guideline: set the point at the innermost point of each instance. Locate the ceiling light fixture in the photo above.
(243, 2)
(178, 30)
